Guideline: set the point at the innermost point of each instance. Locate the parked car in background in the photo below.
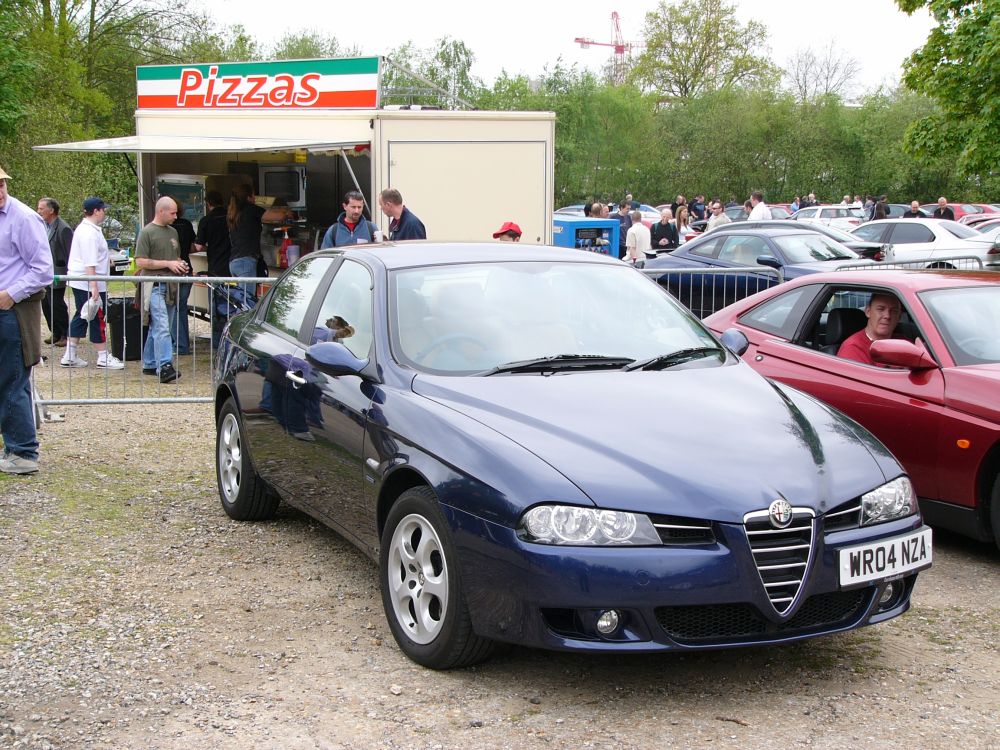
(790, 249)
(933, 402)
(538, 446)
(960, 209)
(869, 250)
(780, 210)
(649, 214)
(973, 220)
(932, 240)
(843, 217)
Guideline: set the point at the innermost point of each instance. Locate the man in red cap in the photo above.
(509, 232)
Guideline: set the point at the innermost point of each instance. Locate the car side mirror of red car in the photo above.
(901, 353)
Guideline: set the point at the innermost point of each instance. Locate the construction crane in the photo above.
(621, 48)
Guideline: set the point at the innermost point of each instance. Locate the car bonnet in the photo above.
(708, 442)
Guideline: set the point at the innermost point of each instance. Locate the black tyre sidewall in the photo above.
(438, 654)
(239, 509)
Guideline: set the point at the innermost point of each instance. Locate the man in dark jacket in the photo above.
(60, 238)
(351, 227)
(943, 211)
(213, 235)
(403, 224)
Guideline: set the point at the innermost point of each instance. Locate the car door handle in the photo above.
(295, 377)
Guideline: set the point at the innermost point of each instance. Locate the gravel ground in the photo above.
(136, 615)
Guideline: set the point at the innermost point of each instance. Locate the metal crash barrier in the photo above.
(959, 262)
(707, 290)
(211, 301)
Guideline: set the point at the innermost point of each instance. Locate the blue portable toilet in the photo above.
(583, 233)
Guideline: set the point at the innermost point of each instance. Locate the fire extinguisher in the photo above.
(283, 251)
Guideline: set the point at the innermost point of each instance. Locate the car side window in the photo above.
(346, 313)
(805, 213)
(290, 298)
(910, 233)
(780, 314)
(743, 250)
(708, 249)
(870, 232)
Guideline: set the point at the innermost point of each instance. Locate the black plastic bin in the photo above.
(124, 328)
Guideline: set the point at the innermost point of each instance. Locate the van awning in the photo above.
(181, 144)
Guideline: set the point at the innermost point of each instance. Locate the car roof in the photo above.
(782, 231)
(912, 280)
(397, 255)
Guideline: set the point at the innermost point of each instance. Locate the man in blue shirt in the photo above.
(403, 224)
(351, 227)
(25, 271)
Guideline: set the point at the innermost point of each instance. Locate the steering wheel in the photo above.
(449, 339)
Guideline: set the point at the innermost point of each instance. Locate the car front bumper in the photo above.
(666, 597)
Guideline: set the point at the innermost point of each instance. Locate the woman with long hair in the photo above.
(682, 222)
(244, 219)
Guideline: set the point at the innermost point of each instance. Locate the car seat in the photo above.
(842, 322)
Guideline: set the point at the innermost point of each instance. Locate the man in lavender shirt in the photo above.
(25, 268)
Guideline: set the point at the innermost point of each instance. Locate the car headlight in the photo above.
(894, 499)
(571, 525)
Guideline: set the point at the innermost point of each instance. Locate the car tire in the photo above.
(244, 495)
(995, 511)
(422, 588)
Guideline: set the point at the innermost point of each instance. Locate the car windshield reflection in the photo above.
(475, 318)
(807, 248)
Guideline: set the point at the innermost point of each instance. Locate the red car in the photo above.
(934, 402)
(960, 209)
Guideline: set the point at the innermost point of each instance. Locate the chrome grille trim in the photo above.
(781, 556)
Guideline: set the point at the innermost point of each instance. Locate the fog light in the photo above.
(888, 593)
(607, 623)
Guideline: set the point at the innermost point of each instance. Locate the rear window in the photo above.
(959, 230)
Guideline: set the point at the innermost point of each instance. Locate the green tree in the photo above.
(440, 75)
(696, 47)
(305, 45)
(959, 67)
(16, 83)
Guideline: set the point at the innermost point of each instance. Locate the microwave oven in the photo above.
(284, 182)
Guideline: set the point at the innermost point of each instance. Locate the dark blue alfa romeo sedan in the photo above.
(540, 446)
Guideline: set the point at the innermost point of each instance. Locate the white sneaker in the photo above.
(110, 362)
(74, 362)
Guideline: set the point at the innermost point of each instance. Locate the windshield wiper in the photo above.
(663, 361)
(562, 362)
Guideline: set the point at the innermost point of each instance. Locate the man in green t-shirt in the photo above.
(158, 253)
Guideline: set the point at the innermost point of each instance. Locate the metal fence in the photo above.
(57, 385)
(959, 262)
(706, 290)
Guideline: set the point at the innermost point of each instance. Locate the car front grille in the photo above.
(781, 556)
(715, 622)
(676, 530)
(844, 516)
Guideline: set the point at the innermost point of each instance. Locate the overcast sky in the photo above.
(523, 36)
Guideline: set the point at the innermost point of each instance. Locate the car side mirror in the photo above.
(768, 260)
(901, 353)
(996, 243)
(334, 359)
(735, 340)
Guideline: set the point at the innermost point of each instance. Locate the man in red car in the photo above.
(882, 311)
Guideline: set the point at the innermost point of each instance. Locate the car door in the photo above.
(902, 408)
(271, 346)
(913, 238)
(694, 290)
(327, 463)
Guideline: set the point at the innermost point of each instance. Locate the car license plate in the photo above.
(885, 558)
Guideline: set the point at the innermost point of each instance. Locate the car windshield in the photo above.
(967, 318)
(806, 248)
(960, 230)
(475, 317)
(838, 234)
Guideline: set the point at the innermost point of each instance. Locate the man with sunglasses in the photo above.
(718, 217)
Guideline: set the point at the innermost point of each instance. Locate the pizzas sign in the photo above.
(286, 84)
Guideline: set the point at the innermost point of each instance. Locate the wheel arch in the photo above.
(222, 394)
(989, 472)
(395, 484)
